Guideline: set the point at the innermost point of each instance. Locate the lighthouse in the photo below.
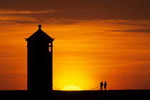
(39, 61)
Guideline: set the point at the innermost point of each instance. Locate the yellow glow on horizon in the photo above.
(71, 88)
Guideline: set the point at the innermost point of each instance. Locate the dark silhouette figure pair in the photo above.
(103, 85)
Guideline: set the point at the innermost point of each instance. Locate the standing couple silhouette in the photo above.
(103, 85)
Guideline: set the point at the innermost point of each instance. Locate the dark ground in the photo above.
(79, 95)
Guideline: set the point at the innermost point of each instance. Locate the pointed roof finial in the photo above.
(39, 27)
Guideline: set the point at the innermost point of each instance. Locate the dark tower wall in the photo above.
(39, 58)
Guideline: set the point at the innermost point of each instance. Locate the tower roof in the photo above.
(39, 35)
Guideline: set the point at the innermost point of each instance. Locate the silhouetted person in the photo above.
(101, 85)
(105, 85)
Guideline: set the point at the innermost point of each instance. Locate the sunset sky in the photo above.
(95, 40)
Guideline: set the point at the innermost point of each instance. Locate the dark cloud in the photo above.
(84, 9)
(134, 30)
(139, 23)
(130, 23)
(17, 21)
(37, 21)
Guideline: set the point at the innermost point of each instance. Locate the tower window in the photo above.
(50, 47)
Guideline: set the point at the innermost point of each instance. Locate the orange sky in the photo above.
(86, 50)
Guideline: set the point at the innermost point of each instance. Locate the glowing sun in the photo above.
(71, 88)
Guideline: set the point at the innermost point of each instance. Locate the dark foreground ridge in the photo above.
(79, 95)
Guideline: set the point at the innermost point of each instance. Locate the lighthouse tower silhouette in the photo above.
(39, 61)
